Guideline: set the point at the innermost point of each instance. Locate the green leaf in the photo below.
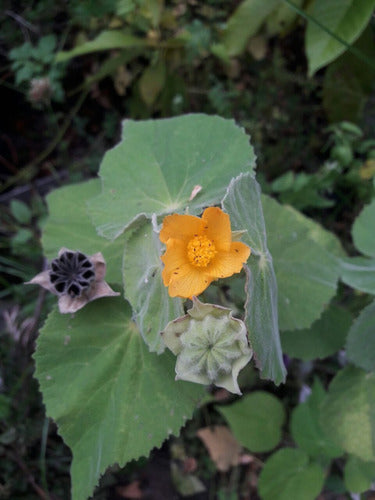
(68, 225)
(243, 204)
(152, 81)
(156, 166)
(289, 474)
(256, 420)
(112, 400)
(306, 267)
(282, 19)
(363, 230)
(358, 475)
(345, 18)
(348, 412)
(361, 339)
(348, 82)
(152, 306)
(106, 40)
(306, 429)
(325, 336)
(20, 211)
(244, 23)
(359, 273)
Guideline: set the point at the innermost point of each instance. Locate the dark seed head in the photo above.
(72, 273)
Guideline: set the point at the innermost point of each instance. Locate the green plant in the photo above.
(344, 179)
(35, 65)
(129, 384)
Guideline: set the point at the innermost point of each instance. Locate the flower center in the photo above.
(201, 251)
(72, 273)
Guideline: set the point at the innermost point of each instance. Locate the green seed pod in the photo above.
(211, 346)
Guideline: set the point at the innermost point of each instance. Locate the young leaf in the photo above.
(152, 306)
(287, 474)
(346, 18)
(243, 204)
(348, 412)
(256, 420)
(112, 400)
(68, 225)
(158, 163)
(361, 339)
(325, 336)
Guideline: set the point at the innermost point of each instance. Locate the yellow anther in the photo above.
(201, 250)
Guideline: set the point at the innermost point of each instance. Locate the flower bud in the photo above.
(211, 346)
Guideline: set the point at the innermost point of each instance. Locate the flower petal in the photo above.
(190, 281)
(217, 228)
(227, 263)
(180, 227)
(174, 258)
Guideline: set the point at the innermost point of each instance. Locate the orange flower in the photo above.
(199, 250)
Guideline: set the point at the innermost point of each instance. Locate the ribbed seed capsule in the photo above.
(72, 273)
(211, 346)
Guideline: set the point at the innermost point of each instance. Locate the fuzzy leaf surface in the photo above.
(305, 261)
(158, 163)
(348, 412)
(325, 336)
(68, 225)
(243, 203)
(152, 306)
(112, 399)
(306, 429)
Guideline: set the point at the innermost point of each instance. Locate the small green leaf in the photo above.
(363, 230)
(306, 429)
(361, 339)
(325, 336)
(20, 211)
(106, 40)
(306, 266)
(358, 475)
(289, 474)
(346, 18)
(244, 23)
(152, 306)
(256, 420)
(68, 225)
(158, 163)
(359, 273)
(348, 412)
(243, 204)
(112, 400)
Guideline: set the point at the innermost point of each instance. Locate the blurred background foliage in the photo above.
(299, 77)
